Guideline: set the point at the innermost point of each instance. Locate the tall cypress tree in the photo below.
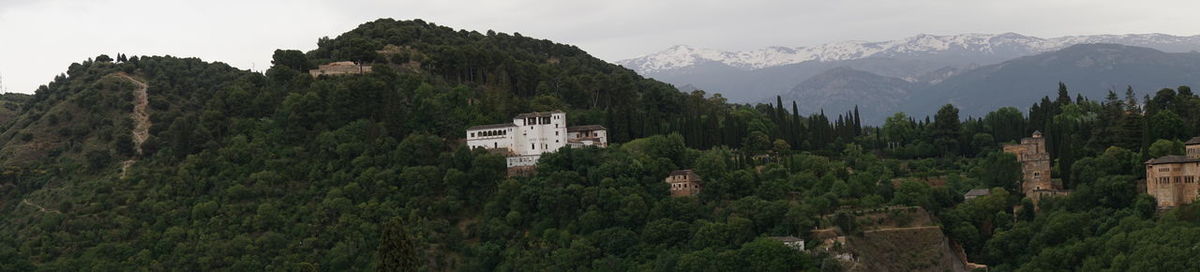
(857, 122)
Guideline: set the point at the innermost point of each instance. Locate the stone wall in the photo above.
(1035, 164)
(1173, 184)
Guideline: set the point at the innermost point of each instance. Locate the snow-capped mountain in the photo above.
(959, 49)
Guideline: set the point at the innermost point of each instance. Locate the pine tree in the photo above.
(397, 249)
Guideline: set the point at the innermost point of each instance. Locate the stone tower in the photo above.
(1035, 164)
(684, 183)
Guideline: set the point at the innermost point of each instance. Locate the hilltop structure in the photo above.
(790, 241)
(532, 134)
(340, 68)
(1171, 179)
(684, 183)
(1035, 167)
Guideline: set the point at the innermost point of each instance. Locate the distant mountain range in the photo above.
(963, 48)
(1088, 69)
(911, 73)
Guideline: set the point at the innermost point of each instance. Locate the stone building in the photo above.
(684, 183)
(532, 134)
(1035, 167)
(579, 136)
(1171, 179)
(976, 193)
(340, 68)
(790, 241)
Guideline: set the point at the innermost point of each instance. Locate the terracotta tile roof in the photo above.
(585, 128)
(681, 172)
(495, 126)
(786, 239)
(1171, 159)
(537, 114)
(978, 192)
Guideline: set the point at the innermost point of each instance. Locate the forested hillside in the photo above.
(282, 171)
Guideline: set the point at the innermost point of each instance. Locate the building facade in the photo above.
(532, 134)
(684, 183)
(1171, 180)
(790, 241)
(1036, 181)
(340, 68)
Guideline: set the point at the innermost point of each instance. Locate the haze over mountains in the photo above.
(894, 75)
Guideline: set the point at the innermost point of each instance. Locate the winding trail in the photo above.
(39, 207)
(905, 228)
(141, 119)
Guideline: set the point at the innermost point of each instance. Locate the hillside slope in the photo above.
(283, 171)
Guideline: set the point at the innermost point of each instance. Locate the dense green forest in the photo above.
(282, 171)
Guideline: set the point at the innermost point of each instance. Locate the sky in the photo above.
(40, 38)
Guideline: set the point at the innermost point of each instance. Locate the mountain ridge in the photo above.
(1004, 44)
(1087, 69)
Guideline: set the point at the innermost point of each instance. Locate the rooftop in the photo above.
(1172, 159)
(537, 114)
(495, 126)
(1194, 140)
(340, 63)
(585, 128)
(682, 172)
(786, 239)
(978, 192)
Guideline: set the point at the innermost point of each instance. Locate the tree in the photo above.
(1164, 147)
(1064, 97)
(1165, 124)
(899, 129)
(756, 143)
(293, 59)
(104, 58)
(983, 142)
(947, 129)
(98, 159)
(397, 249)
(1005, 124)
(764, 254)
(1000, 169)
(781, 147)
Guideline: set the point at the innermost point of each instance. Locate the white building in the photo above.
(531, 134)
(790, 241)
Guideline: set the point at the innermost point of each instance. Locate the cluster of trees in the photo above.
(280, 170)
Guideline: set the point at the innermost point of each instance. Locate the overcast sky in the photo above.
(40, 38)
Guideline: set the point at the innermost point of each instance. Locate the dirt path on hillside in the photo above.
(141, 119)
(39, 207)
(897, 229)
